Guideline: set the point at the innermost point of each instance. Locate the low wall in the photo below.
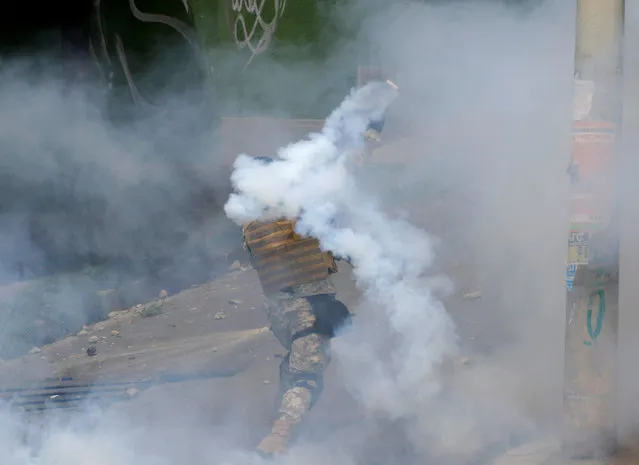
(38, 312)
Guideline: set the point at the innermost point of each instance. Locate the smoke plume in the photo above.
(311, 181)
(472, 188)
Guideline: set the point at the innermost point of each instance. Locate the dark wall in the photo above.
(26, 24)
(78, 211)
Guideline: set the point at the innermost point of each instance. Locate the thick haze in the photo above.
(310, 181)
(491, 95)
(478, 144)
(130, 199)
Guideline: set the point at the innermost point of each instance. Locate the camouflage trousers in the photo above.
(302, 370)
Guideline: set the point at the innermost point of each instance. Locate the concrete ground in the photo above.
(504, 390)
(218, 332)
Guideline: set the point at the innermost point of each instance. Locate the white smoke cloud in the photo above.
(311, 181)
(477, 80)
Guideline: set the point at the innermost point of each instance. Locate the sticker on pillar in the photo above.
(578, 238)
(571, 273)
(578, 255)
(592, 167)
(578, 248)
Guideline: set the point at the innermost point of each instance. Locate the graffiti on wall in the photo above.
(112, 40)
(595, 316)
(257, 37)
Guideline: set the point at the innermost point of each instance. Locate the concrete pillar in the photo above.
(592, 263)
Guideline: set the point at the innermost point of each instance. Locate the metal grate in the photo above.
(69, 393)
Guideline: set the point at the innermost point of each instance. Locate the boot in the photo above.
(276, 443)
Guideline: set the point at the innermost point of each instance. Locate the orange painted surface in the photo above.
(593, 153)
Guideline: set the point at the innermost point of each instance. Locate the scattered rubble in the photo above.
(219, 316)
(115, 333)
(235, 302)
(235, 265)
(35, 350)
(84, 332)
(93, 339)
(114, 315)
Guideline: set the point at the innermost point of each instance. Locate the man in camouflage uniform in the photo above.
(302, 309)
(303, 316)
(293, 321)
(303, 313)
